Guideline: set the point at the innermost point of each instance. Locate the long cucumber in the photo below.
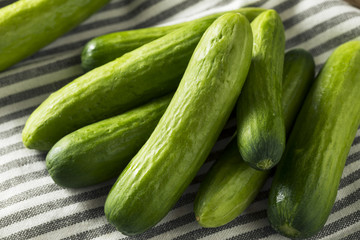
(106, 48)
(157, 176)
(100, 151)
(28, 25)
(150, 71)
(304, 188)
(231, 184)
(260, 122)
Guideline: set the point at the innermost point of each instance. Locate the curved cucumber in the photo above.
(150, 71)
(28, 25)
(306, 181)
(106, 48)
(260, 123)
(231, 184)
(100, 151)
(157, 176)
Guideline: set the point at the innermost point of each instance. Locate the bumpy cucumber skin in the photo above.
(157, 176)
(260, 123)
(150, 71)
(28, 25)
(106, 48)
(306, 180)
(231, 185)
(100, 151)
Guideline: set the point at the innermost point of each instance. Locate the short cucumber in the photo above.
(298, 75)
(231, 184)
(260, 123)
(100, 151)
(106, 48)
(306, 181)
(28, 25)
(150, 71)
(157, 176)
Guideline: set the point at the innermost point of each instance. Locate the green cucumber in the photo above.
(100, 151)
(228, 189)
(260, 122)
(150, 71)
(298, 74)
(28, 25)
(305, 184)
(106, 48)
(231, 184)
(157, 176)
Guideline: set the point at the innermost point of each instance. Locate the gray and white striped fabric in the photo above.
(33, 207)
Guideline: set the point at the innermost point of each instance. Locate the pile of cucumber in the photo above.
(156, 100)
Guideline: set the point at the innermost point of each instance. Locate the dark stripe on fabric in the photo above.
(353, 236)
(57, 224)
(349, 179)
(31, 193)
(38, 71)
(114, 5)
(356, 141)
(11, 148)
(93, 233)
(255, 234)
(257, 3)
(285, 5)
(11, 132)
(288, 23)
(167, 13)
(346, 201)
(320, 28)
(34, 92)
(17, 114)
(185, 199)
(6, 2)
(52, 205)
(241, 220)
(338, 225)
(20, 162)
(352, 158)
(12, 182)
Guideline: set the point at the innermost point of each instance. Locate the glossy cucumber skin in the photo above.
(28, 25)
(228, 189)
(306, 180)
(231, 184)
(150, 71)
(157, 176)
(260, 123)
(298, 76)
(100, 151)
(106, 48)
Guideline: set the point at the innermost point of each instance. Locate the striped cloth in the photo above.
(32, 206)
